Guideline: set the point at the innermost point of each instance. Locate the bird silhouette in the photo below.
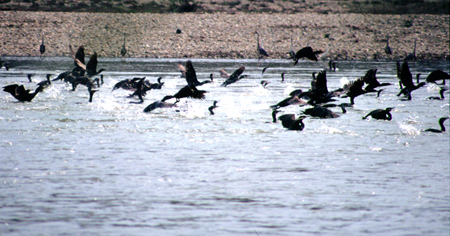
(233, 78)
(20, 93)
(380, 114)
(42, 47)
(441, 93)
(211, 108)
(259, 49)
(123, 51)
(191, 76)
(288, 121)
(323, 112)
(412, 56)
(306, 52)
(437, 75)
(441, 124)
(159, 104)
(186, 92)
(407, 81)
(387, 49)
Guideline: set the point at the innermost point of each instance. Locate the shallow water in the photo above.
(70, 167)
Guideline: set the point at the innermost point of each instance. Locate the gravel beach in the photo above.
(224, 35)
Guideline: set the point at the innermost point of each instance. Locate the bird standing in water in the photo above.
(380, 114)
(259, 49)
(441, 123)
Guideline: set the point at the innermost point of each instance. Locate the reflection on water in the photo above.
(70, 167)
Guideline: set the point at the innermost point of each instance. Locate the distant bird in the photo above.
(387, 49)
(355, 89)
(178, 31)
(20, 93)
(407, 81)
(378, 93)
(159, 104)
(380, 114)
(233, 78)
(264, 70)
(441, 92)
(186, 92)
(274, 115)
(29, 78)
(288, 121)
(42, 47)
(412, 56)
(140, 91)
(156, 85)
(259, 49)
(91, 67)
(441, 123)
(4, 63)
(436, 76)
(211, 108)
(291, 53)
(332, 65)
(264, 83)
(322, 112)
(191, 77)
(123, 51)
(306, 52)
(127, 84)
(282, 77)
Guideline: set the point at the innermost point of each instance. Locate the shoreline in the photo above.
(221, 35)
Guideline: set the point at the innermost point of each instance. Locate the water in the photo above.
(70, 167)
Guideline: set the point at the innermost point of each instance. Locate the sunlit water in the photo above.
(70, 167)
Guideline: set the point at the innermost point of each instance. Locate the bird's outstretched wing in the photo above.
(234, 77)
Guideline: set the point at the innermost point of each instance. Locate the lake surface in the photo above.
(70, 167)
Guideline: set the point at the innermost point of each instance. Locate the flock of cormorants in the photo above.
(318, 96)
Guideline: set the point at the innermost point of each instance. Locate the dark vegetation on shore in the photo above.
(232, 6)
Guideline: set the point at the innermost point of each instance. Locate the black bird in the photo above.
(123, 51)
(441, 92)
(159, 104)
(264, 70)
(371, 80)
(191, 76)
(282, 77)
(387, 49)
(306, 52)
(211, 108)
(332, 65)
(274, 115)
(42, 47)
(436, 76)
(29, 78)
(292, 100)
(288, 121)
(264, 83)
(322, 112)
(155, 85)
(20, 93)
(380, 114)
(91, 94)
(441, 123)
(91, 67)
(354, 89)
(5, 64)
(141, 91)
(44, 84)
(187, 91)
(412, 56)
(127, 84)
(259, 49)
(236, 76)
(407, 81)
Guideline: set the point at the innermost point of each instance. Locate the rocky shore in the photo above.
(223, 35)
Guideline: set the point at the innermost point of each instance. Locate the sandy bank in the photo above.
(220, 35)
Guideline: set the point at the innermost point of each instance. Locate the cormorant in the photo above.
(288, 121)
(292, 100)
(306, 52)
(380, 114)
(274, 115)
(437, 75)
(387, 49)
(259, 49)
(236, 76)
(191, 77)
(322, 112)
(407, 81)
(441, 92)
(155, 85)
(42, 47)
(127, 84)
(123, 51)
(282, 77)
(441, 123)
(91, 94)
(371, 80)
(44, 84)
(264, 70)
(29, 78)
(211, 108)
(20, 93)
(159, 104)
(264, 83)
(332, 65)
(354, 89)
(187, 91)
